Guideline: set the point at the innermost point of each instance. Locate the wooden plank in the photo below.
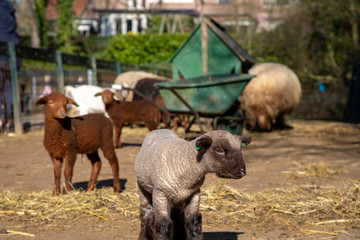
(15, 92)
(69, 59)
(60, 72)
(35, 54)
(108, 65)
(94, 70)
(204, 48)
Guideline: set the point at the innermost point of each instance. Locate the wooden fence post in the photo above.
(59, 72)
(94, 70)
(118, 67)
(15, 89)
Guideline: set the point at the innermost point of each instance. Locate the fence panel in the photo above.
(40, 72)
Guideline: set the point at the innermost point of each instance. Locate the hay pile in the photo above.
(312, 170)
(43, 207)
(222, 207)
(300, 205)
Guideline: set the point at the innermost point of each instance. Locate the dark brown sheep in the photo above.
(146, 87)
(65, 137)
(122, 112)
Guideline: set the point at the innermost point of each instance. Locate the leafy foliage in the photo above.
(145, 48)
(40, 6)
(320, 38)
(65, 31)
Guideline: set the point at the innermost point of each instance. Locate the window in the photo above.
(225, 1)
(275, 2)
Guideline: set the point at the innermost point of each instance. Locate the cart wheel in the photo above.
(234, 127)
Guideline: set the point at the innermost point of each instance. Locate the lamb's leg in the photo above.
(117, 140)
(146, 216)
(193, 219)
(96, 166)
(151, 125)
(173, 123)
(68, 171)
(163, 223)
(57, 162)
(114, 164)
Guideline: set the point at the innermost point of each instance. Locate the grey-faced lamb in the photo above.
(65, 137)
(169, 173)
(273, 93)
(122, 112)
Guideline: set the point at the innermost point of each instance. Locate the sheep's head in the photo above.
(107, 96)
(221, 153)
(55, 105)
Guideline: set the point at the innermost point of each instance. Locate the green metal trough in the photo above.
(206, 96)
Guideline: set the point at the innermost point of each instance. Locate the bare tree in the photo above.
(35, 39)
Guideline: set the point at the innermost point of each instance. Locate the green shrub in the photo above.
(144, 48)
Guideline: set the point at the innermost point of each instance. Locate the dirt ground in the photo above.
(280, 160)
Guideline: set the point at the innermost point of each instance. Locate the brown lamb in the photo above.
(121, 112)
(65, 137)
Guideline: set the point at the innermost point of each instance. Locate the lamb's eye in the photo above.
(220, 151)
(50, 102)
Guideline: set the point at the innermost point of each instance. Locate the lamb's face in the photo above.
(55, 105)
(106, 96)
(221, 152)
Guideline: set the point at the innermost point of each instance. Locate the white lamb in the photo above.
(83, 95)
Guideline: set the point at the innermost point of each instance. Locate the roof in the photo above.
(238, 50)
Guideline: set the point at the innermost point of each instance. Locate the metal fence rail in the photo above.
(26, 72)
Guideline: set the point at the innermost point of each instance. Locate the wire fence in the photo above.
(29, 73)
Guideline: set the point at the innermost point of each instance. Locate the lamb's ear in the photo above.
(72, 102)
(97, 94)
(116, 96)
(42, 100)
(245, 139)
(202, 145)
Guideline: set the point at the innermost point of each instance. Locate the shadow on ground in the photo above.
(221, 235)
(81, 186)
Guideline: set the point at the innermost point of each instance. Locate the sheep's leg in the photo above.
(193, 219)
(280, 121)
(57, 162)
(69, 170)
(114, 164)
(264, 122)
(163, 223)
(250, 121)
(146, 216)
(117, 140)
(96, 166)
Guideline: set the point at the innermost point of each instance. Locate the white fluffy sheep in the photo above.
(273, 93)
(170, 171)
(83, 95)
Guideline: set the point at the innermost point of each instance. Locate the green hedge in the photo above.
(139, 48)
